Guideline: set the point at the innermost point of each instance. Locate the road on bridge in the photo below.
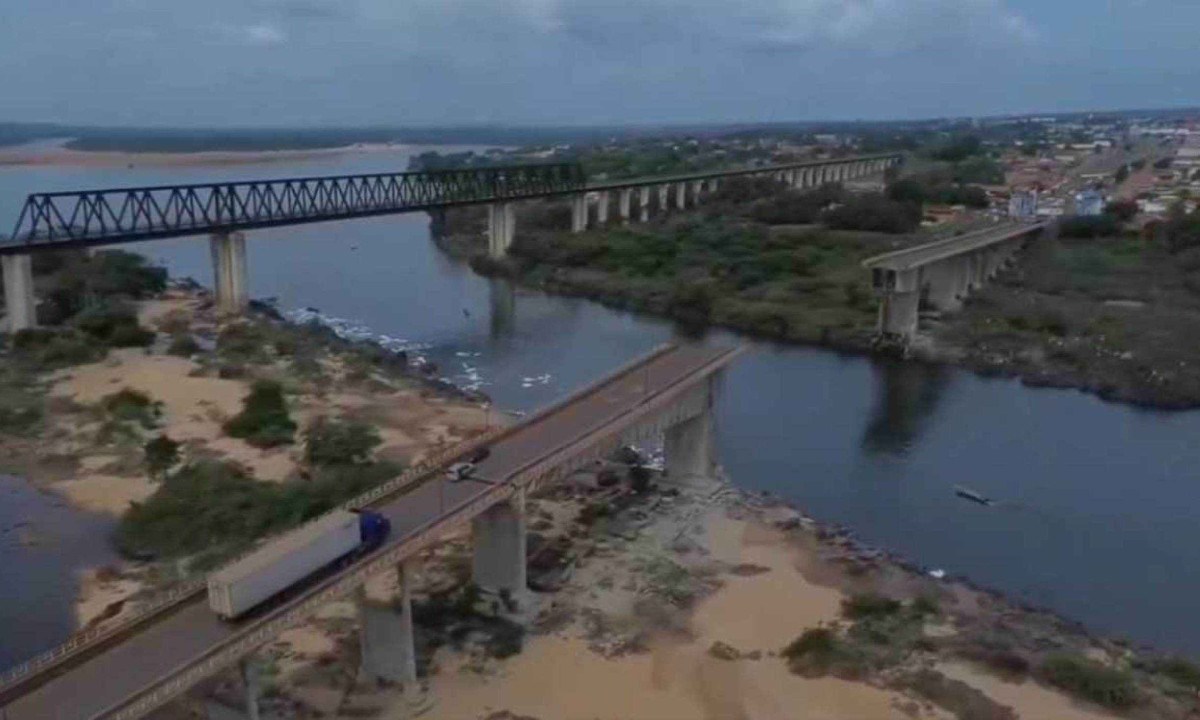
(96, 684)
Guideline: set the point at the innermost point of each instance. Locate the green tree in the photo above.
(332, 442)
(162, 453)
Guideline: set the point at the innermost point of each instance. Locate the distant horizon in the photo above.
(632, 125)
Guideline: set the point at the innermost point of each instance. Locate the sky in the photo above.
(301, 63)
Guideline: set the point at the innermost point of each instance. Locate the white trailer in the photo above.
(245, 583)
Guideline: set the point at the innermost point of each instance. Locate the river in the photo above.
(1095, 515)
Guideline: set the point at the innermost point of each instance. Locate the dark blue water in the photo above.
(1098, 502)
(44, 544)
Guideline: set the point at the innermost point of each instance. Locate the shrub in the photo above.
(128, 405)
(113, 323)
(1182, 671)
(1090, 680)
(216, 508)
(244, 342)
(183, 345)
(264, 421)
(332, 442)
(162, 453)
(874, 213)
(1088, 226)
(925, 605)
(819, 652)
(867, 605)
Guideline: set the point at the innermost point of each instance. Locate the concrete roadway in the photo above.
(913, 257)
(114, 674)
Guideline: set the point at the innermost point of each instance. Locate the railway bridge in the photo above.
(226, 211)
(126, 670)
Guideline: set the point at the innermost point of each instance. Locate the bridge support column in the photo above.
(714, 184)
(697, 191)
(663, 191)
(499, 537)
(624, 196)
(688, 449)
(19, 304)
(229, 272)
(680, 195)
(502, 223)
(386, 635)
(942, 281)
(644, 204)
(602, 209)
(253, 685)
(579, 213)
(901, 301)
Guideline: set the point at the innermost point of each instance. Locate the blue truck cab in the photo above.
(373, 529)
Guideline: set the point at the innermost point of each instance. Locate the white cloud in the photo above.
(256, 34)
(882, 26)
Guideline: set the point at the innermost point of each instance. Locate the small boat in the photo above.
(969, 494)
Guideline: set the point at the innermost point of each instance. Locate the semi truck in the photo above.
(250, 581)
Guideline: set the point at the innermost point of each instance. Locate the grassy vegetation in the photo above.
(212, 509)
(1120, 316)
(127, 405)
(1090, 680)
(334, 442)
(264, 420)
(882, 633)
(790, 283)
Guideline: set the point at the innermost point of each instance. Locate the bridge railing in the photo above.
(144, 213)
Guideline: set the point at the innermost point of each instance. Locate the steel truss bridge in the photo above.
(118, 215)
(99, 217)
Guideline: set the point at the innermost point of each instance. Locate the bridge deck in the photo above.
(730, 172)
(915, 257)
(112, 675)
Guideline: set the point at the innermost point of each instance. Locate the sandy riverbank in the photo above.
(679, 606)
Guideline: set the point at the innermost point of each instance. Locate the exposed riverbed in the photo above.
(1096, 502)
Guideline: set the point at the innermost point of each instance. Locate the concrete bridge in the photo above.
(942, 273)
(225, 211)
(126, 671)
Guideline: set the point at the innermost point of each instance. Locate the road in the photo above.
(914, 257)
(177, 640)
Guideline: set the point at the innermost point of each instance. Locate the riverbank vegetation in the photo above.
(1118, 315)
(759, 257)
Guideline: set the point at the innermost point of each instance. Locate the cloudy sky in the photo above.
(358, 62)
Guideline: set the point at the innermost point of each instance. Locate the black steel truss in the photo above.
(96, 217)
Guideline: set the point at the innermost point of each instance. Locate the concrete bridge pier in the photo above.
(644, 204)
(579, 213)
(502, 224)
(602, 209)
(663, 191)
(624, 195)
(681, 195)
(714, 184)
(688, 449)
(697, 191)
(499, 537)
(386, 635)
(898, 313)
(19, 304)
(229, 272)
(941, 282)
